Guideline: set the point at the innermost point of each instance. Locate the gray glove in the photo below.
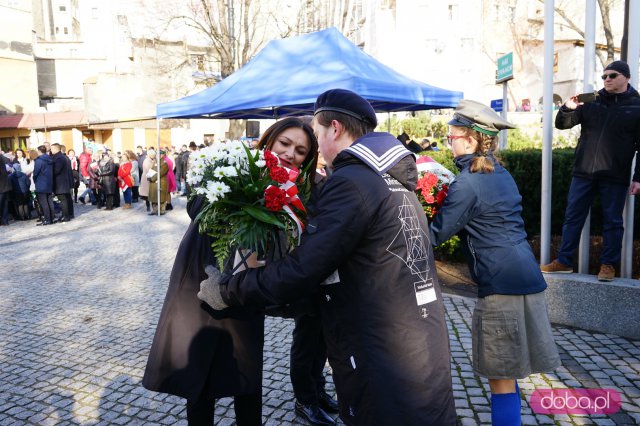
(210, 289)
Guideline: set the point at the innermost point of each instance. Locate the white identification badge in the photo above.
(425, 292)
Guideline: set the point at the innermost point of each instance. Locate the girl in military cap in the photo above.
(512, 336)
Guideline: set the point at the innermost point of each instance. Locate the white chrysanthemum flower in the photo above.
(225, 172)
(193, 177)
(215, 190)
(261, 163)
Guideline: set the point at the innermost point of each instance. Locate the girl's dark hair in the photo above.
(271, 134)
(483, 162)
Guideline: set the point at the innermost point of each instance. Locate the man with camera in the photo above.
(609, 140)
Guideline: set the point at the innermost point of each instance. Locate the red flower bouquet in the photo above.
(432, 190)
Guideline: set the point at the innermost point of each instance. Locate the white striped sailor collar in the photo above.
(379, 150)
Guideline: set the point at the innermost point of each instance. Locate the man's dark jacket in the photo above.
(62, 176)
(5, 183)
(383, 314)
(609, 138)
(43, 174)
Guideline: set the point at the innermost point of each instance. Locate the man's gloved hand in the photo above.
(210, 289)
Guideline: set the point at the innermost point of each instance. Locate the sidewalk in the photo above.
(79, 306)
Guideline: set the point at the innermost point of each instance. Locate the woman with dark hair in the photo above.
(201, 355)
(75, 171)
(511, 334)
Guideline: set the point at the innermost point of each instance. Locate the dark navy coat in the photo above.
(5, 183)
(382, 311)
(487, 208)
(62, 177)
(43, 174)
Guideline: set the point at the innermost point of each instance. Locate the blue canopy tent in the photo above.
(287, 76)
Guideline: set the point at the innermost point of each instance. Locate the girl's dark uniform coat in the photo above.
(487, 208)
(383, 315)
(193, 354)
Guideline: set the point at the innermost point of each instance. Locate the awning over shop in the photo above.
(10, 121)
(53, 120)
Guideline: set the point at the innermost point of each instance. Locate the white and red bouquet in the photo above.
(249, 198)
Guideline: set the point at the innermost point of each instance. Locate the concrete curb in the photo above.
(581, 301)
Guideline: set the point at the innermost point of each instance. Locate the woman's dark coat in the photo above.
(107, 173)
(43, 174)
(193, 354)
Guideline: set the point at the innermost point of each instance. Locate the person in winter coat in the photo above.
(609, 141)
(135, 174)
(511, 334)
(43, 178)
(153, 185)
(75, 172)
(200, 354)
(5, 190)
(20, 183)
(171, 181)
(382, 310)
(85, 160)
(107, 177)
(125, 180)
(149, 159)
(62, 181)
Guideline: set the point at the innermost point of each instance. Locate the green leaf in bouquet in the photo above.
(263, 216)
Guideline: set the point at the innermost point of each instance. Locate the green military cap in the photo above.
(479, 117)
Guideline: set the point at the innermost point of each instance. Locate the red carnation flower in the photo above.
(274, 198)
(270, 159)
(279, 174)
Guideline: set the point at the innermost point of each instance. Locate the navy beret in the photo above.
(619, 66)
(346, 102)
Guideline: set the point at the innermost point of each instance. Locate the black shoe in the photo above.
(82, 200)
(64, 219)
(327, 403)
(314, 415)
(153, 214)
(43, 223)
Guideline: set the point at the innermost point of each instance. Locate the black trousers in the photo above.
(66, 205)
(248, 409)
(46, 204)
(4, 207)
(308, 358)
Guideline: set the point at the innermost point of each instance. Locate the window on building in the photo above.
(57, 30)
(63, 8)
(66, 30)
(6, 144)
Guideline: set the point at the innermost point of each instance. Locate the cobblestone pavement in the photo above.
(79, 304)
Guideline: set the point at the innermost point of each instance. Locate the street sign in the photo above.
(505, 68)
(496, 105)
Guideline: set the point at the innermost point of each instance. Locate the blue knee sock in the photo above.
(505, 409)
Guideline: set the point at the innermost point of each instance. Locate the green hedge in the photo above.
(526, 168)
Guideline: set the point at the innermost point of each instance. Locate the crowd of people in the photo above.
(44, 183)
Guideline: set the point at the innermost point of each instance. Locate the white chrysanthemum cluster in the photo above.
(222, 160)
